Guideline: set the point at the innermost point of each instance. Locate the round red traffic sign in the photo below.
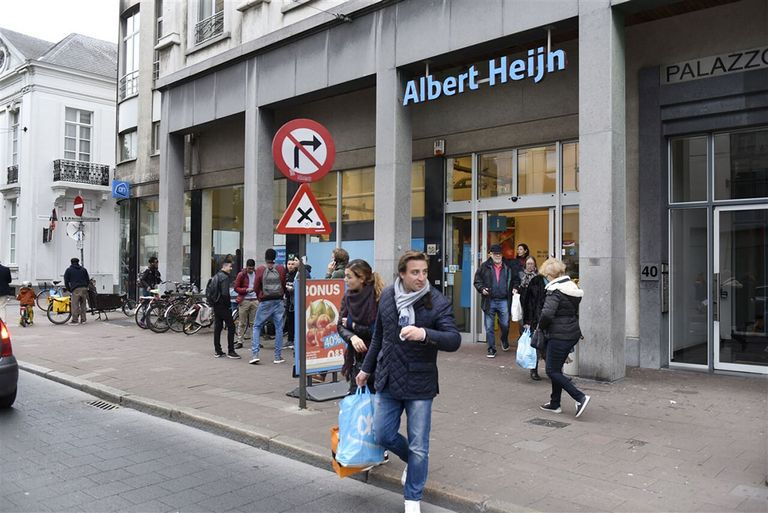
(303, 150)
(78, 206)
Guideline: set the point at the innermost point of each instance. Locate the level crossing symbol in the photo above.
(303, 215)
(303, 150)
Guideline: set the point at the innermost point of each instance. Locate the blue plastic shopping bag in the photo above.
(357, 446)
(526, 355)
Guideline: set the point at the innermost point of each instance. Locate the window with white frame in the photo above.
(77, 134)
(12, 232)
(210, 20)
(155, 138)
(14, 122)
(128, 145)
(129, 65)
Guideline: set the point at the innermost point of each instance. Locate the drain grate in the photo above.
(547, 423)
(634, 443)
(103, 405)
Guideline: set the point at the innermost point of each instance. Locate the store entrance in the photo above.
(467, 248)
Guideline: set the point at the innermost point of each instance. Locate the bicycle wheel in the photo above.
(140, 316)
(42, 299)
(155, 319)
(129, 307)
(58, 317)
(191, 327)
(174, 316)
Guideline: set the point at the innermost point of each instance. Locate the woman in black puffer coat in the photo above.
(559, 319)
(532, 296)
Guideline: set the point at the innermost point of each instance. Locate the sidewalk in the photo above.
(656, 441)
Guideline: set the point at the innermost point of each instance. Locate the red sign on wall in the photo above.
(78, 206)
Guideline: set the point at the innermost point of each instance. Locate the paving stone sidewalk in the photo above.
(655, 441)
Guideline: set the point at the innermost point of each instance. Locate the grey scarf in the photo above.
(405, 301)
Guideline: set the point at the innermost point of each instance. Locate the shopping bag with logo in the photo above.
(341, 471)
(517, 308)
(526, 355)
(357, 446)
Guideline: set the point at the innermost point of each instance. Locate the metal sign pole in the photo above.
(82, 242)
(301, 311)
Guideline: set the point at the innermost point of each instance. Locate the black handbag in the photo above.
(538, 340)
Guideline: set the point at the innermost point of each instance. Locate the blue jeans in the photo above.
(557, 353)
(415, 450)
(498, 307)
(270, 309)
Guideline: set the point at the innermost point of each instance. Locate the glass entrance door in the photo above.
(740, 300)
(535, 228)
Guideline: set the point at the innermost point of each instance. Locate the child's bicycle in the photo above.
(27, 315)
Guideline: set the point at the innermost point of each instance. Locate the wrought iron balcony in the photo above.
(13, 174)
(81, 172)
(128, 85)
(209, 27)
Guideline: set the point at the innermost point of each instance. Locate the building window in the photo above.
(210, 20)
(128, 146)
(689, 169)
(14, 121)
(495, 174)
(156, 138)
(77, 134)
(459, 179)
(12, 233)
(536, 170)
(158, 35)
(571, 167)
(741, 165)
(129, 80)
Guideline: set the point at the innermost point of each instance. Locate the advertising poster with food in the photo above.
(325, 347)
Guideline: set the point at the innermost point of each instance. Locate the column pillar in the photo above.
(392, 226)
(258, 175)
(602, 155)
(171, 251)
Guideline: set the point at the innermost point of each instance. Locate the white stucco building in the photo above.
(57, 122)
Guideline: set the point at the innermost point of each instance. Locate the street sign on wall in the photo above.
(303, 150)
(78, 206)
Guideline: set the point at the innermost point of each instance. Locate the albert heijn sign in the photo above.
(304, 152)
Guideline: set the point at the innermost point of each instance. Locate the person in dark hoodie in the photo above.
(559, 320)
(76, 281)
(496, 281)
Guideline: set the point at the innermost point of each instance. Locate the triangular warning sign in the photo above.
(303, 215)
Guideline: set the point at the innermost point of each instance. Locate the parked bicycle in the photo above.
(46, 291)
(59, 309)
(197, 317)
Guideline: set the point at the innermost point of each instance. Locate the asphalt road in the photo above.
(58, 453)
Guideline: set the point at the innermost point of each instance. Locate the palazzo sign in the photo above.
(500, 71)
(724, 64)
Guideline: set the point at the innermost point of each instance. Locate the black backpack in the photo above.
(212, 292)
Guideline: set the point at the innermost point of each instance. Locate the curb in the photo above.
(455, 499)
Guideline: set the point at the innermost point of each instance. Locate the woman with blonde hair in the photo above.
(559, 319)
(358, 316)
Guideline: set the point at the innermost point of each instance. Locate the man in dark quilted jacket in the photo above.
(413, 323)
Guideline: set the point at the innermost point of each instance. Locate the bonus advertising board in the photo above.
(325, 347)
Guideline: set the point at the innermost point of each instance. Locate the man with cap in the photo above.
(76, 281)
(496, 281)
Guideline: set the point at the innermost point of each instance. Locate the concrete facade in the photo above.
(350, 76)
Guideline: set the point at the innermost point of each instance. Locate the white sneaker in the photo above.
(405, 474)
(412, 507)
(254, 360)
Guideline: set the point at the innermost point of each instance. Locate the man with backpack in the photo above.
(217, 293)
(270, 289)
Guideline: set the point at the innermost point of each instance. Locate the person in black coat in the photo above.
(560, 321)
(222, 311)
(76, 280)
(532, 296)
(357, 318)
(5, 289)
(496, 281)
(413, 323)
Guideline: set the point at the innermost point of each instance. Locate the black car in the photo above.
(9, 369)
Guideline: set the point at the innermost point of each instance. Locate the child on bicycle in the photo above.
(26, 299)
